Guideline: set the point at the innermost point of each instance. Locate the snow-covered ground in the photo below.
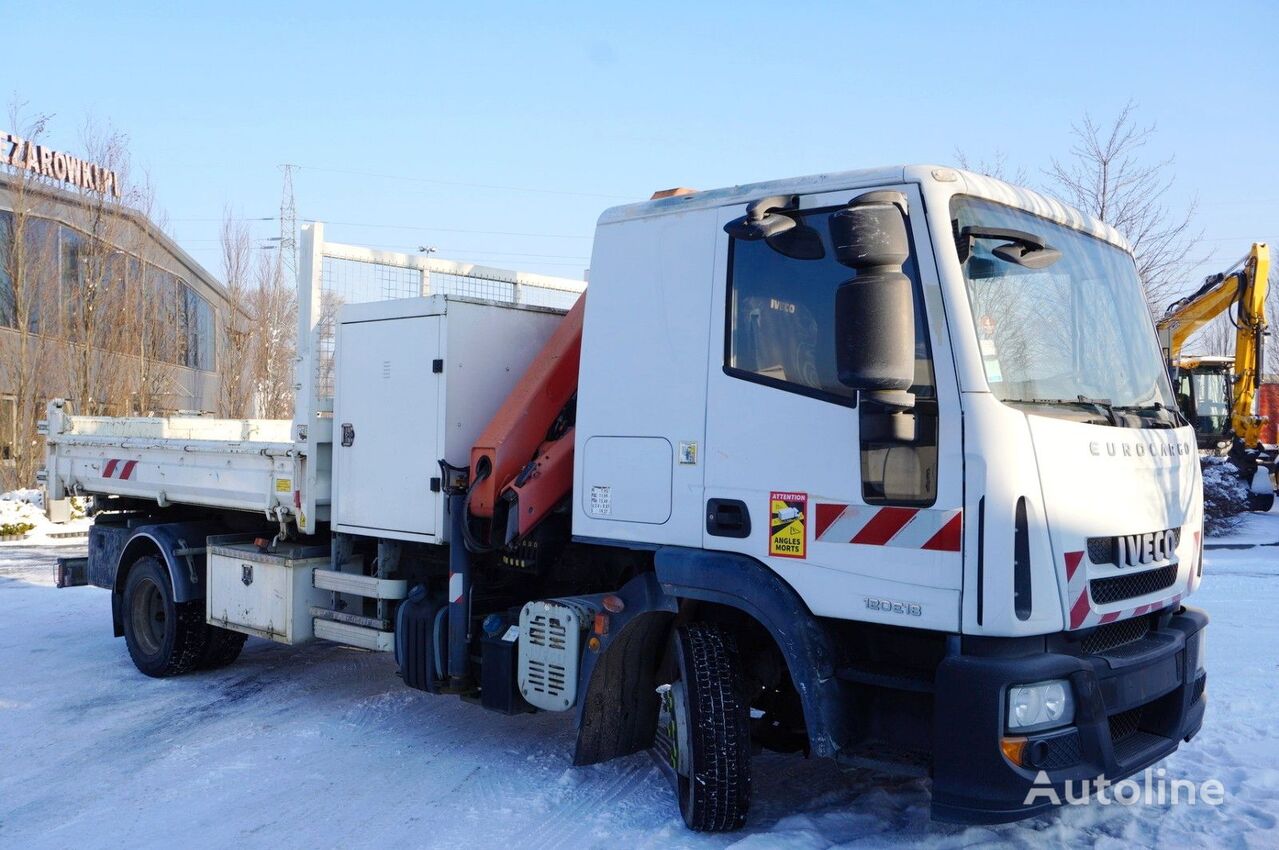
(26, 507)
(322, 746)
(1253, 530)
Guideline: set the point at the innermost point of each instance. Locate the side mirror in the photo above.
(875, 312)
(767, 219)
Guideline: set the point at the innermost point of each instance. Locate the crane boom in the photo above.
(1246, 285)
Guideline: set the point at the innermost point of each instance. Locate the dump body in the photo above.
(233, 464)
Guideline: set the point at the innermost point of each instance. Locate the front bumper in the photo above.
(1133, 707)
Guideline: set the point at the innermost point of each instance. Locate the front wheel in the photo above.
(703, 733)
(165, 638)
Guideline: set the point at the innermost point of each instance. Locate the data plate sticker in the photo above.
(601, 501)
(788, 519)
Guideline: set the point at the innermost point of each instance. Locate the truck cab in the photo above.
(1000, 583)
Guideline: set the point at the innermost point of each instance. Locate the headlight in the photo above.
(1201, 653)
(1042, 705)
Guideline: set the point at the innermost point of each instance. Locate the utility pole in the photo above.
(288, 231)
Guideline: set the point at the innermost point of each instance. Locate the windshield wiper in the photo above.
(1157, 408)
(1101, 404)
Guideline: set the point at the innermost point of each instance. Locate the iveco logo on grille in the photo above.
(1135, 550)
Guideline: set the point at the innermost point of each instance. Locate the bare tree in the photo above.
(997, 166)
(28, 253)
(235, 335)
(274, 316)
(154, 321)
(96, 311)
(1107, 175)
(1216, 338)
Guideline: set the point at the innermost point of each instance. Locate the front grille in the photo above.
(1102, 550)
(1138, 745)
(1200, 684)
(1060, 752)
(1131, 585)
(1114, 635)
(1125, 724)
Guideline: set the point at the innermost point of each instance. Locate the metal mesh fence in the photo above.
(346, 281)
(353, 279)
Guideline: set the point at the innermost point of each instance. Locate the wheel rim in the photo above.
(148, 617)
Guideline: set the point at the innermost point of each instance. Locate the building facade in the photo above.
(97, 306)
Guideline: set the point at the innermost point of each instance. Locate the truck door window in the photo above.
(781, 333)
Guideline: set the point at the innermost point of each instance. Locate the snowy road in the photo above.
(322, 746)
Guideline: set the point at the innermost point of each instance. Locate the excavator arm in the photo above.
(1246, 286)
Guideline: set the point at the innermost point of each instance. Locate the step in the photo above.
(351, 619)
(896, 679)
(345, 633)
(355, 584)
(886, 758)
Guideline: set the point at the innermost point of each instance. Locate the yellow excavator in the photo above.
(1217, 394)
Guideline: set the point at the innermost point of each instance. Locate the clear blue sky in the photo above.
(592, 104)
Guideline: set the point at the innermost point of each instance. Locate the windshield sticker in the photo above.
(994, 373)
(788, 515)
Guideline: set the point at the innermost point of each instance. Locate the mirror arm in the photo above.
(964, 241)
(764, 217)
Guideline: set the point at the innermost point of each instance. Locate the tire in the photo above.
(165, 638)
(223, 648)
(710, 722)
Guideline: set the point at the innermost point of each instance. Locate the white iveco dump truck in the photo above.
(881, 466)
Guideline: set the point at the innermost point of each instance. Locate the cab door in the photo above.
(862, 530)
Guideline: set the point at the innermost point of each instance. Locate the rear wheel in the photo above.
(223, 648)
(704, 730)
(165, 638)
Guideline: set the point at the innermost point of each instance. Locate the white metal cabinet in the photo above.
(384, 434)
(395, 416)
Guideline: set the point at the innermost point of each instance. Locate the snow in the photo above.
(1253, 529)
(322, 746)
(27, 507)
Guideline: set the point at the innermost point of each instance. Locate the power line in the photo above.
(416, 227)
(450, 229)
(410, 179)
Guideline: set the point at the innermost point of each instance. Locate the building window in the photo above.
(198, 327)
(8, 428)
(172, 323)
(8, 308)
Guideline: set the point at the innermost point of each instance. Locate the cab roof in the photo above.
(963, 182)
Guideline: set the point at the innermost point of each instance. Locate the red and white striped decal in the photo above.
(907, 528)
(121, 470)
(1082, 612)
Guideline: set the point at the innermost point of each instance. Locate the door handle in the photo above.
(727, 518)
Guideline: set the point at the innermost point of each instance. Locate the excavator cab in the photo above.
(1204, 395)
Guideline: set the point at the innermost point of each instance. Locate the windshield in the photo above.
(1072, 337)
